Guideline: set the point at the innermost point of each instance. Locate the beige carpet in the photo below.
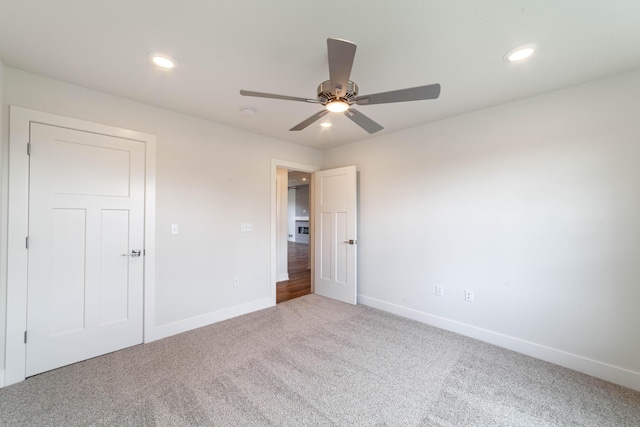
(315, 362)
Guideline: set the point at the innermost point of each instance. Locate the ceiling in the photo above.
(298, 179)
(279, 47)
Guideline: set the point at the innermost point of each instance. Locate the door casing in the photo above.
(18, 227)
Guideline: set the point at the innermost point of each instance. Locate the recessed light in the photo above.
(325, 124)
(161, 60)
(521, 52)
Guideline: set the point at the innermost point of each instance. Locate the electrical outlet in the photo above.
(440, 290)
(174, 228)
(468, 295)
(236, 282)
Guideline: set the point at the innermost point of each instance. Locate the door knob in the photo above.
(134, 253)
(351, 242)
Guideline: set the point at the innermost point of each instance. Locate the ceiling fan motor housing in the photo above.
(325, 93)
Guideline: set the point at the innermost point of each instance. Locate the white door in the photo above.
(86, 220)
(335, 233)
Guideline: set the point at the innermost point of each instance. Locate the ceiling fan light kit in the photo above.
(337, 106)
(338, 94)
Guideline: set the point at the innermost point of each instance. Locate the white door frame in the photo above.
(275, 163)
(18, 221)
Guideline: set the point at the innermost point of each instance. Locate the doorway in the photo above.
(332, 229)
(280, 228)
(298, 274)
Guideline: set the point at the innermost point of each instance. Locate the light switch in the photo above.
(246, 226)
(174, 228)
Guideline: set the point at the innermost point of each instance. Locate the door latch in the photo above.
(351, 242)
(134, 253)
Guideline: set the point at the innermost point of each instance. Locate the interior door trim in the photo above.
(18, 225)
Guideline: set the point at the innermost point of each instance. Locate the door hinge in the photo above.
(25, 337)
(28, 148)
(27, 242)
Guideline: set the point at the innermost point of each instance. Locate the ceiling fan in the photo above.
(339, 93)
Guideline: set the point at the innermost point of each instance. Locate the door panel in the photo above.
(333, 190)
(114, 283)
(67, 271)
(335, 226)
(342, 254)
(86, 210)
(100, 171)
(325, 242)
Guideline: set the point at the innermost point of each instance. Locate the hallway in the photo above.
(299, 282)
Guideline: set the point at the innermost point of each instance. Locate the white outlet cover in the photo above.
(174, 228)
(468, 295)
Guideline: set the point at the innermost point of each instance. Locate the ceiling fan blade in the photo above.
(402, 95)
(303, 124)
(271, 95)
(363, 121)
(341, 54)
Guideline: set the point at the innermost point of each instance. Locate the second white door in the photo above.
(336, 233)
(86, 234)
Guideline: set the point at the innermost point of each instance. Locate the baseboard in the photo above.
(282, 277)
(175, 328)
(582, 364)
(1, 378)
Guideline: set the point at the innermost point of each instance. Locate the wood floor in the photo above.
(299, 282)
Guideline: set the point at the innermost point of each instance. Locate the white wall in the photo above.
(533, 205)
(4, 173)
(282, 209)
(291, 212)
(210, 179)
(302, 201)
